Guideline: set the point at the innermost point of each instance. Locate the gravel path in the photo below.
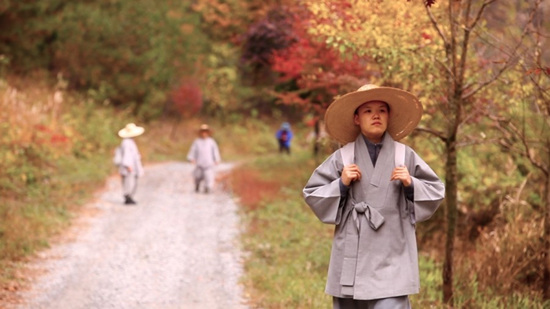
(175, 249)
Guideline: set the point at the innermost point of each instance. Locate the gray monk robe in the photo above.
(374, 252)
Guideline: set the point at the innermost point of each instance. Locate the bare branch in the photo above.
(525, 151)
(438, 134)
(465, 44)
(511, 55)
(449, 71)
(480, 13)
(477, 142)
(436, 25)
(480, 87)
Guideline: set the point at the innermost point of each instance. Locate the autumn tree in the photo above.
(244, 35)
(449, 55)
(262, 39)
(525, 129)
(466, 39)
(311, 73)
(186, 101)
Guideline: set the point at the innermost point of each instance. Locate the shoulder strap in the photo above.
(399, 154)
(348, 153)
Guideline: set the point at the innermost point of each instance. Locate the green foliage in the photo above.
(52, 156)
(123, 50)
(225, 93)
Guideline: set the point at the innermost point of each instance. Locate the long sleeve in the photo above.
(192, 154)
(131, 158)
(429, 190)
(216, 152)
(322, 192)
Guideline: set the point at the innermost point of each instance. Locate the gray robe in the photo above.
(130, 158)
(374, 253)
(205, 152)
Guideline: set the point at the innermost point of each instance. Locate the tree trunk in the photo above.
(451, 182)
(175, 128)
(316, 132)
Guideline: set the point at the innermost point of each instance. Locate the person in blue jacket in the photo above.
(284, 136)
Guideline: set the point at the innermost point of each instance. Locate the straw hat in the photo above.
(204, 127)
(405, 112)
(131, 130)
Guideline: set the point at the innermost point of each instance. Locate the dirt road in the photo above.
(174, 249)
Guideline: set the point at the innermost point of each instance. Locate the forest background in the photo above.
(74, 72)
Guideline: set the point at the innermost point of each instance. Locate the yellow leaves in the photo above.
(7, 157)
(318, 8)
(369, 24)
(214, 12)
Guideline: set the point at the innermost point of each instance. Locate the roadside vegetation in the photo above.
(54, 158)
(56, 152)
(72, 73)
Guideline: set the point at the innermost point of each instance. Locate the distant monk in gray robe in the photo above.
(130, 167)
(205, 154)
(373, 201)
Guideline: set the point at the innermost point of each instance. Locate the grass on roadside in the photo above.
(288, 247)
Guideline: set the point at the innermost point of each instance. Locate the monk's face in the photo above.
(204, 133)
(372, 117)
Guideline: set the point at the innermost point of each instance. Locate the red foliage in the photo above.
(58, 138)
(46, 135)
(187, 98)
(41, 128)
(538, 71)
(318, 71)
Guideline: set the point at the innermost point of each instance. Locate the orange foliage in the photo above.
(251, 188)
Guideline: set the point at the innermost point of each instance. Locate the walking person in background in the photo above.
(284, 135)
(130, 167)
(374, 190)
(204, 153)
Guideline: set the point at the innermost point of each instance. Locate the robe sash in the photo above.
(351, 244)
(370, 185)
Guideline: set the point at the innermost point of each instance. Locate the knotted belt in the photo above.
(351, 244)
(374, 218)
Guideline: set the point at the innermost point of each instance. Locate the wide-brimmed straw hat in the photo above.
(204, 127)
(405, 112)
(131, 130)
